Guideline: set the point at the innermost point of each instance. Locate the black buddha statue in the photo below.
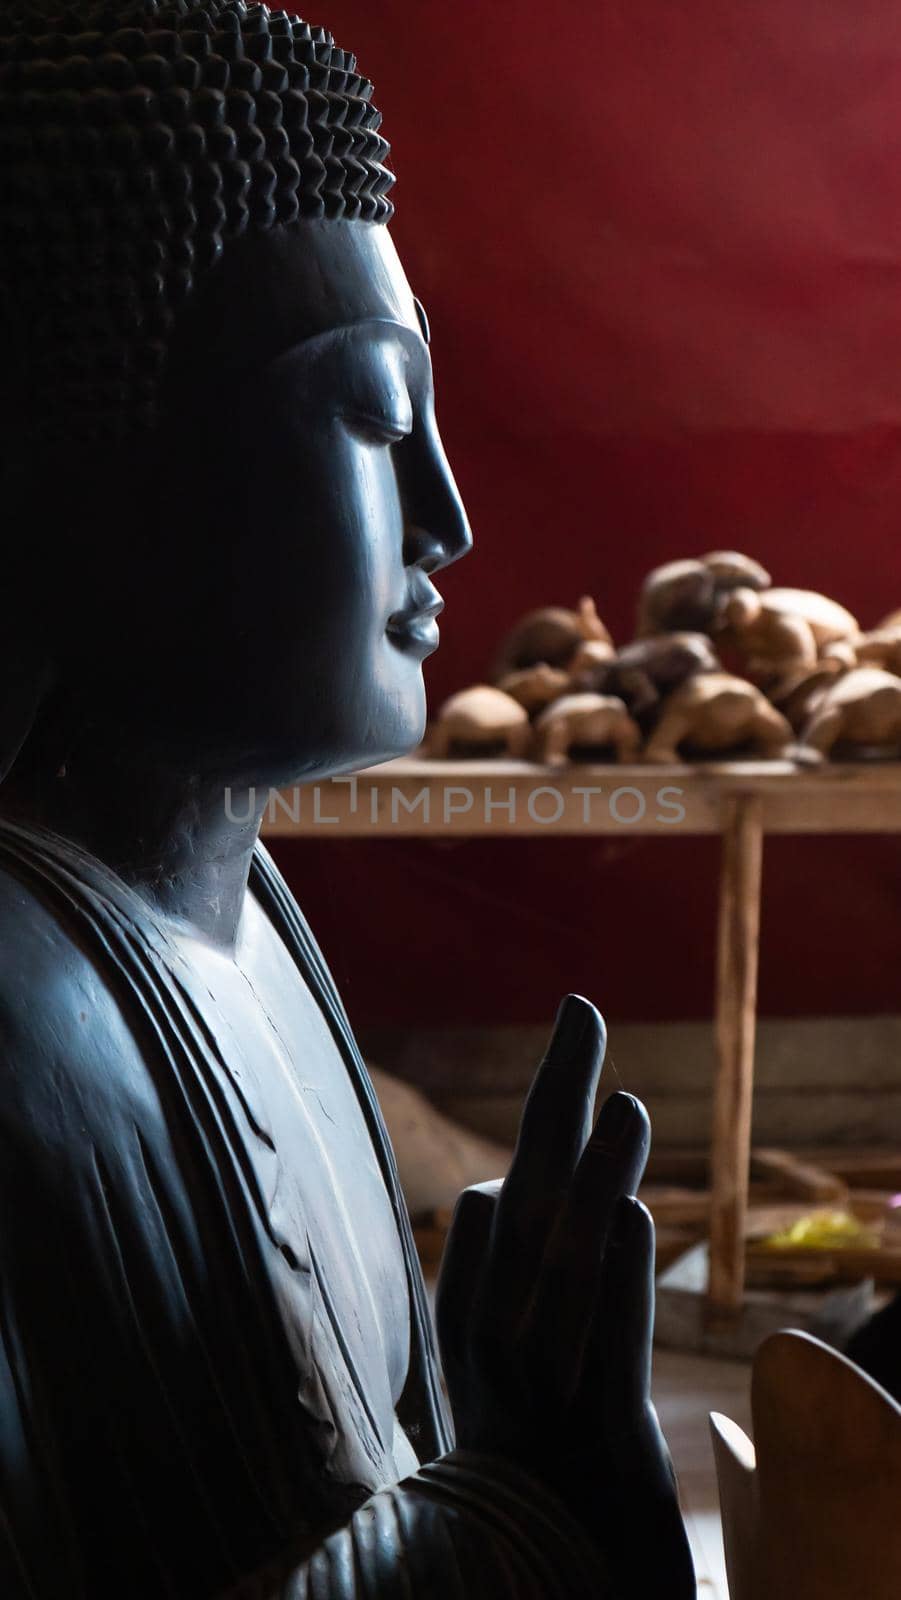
(217, 1374)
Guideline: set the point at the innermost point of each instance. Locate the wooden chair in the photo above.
(814, 1513)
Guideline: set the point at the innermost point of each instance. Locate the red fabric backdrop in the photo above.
(660, 246)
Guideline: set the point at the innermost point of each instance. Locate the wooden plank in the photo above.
(801, 1267)
(833, 809)
(462, 799)
(672, 1206)
(872, 1171)
(868, 1169)
(416, 798)
(803, 1178)
(736, 999)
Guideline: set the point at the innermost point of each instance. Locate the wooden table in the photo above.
(741, 801)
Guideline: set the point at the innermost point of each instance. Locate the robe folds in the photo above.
(161, 1435)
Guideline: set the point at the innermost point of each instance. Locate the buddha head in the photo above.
(224, 492)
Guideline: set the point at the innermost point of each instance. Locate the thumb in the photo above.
(462, 1265)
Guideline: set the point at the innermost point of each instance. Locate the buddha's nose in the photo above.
(432, 548)
(436, 528)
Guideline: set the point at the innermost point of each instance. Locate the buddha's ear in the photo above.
(25, 681)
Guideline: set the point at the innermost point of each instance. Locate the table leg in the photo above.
(736, 1003)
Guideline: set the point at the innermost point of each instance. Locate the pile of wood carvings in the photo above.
(723, 664)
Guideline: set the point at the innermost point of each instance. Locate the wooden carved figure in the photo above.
(585, 721)
(713, 712)
(480, 719)
(685, 595)
(861, 709)
(535, 687)
(552, 634)
(779, 631)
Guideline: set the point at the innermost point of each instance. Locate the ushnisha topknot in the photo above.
(136, 139)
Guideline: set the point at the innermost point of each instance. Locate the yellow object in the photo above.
(824, 1230)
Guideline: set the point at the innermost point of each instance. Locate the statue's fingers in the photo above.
(613, 1161)
(556, 1122)
(559, 1111)
(644, 1495)
(612, 1165)
(461, 1266)
(622, 1333)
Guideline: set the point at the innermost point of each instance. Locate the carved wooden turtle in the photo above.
(641, 672)
(731, 570)
(716, 711)
(684, 595)
(535, 687)
(591, 659)
(552, 635)
(480, 718)
(862, 709)
(799, 693)
(586, 720)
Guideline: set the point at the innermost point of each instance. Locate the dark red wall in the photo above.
(660, 246)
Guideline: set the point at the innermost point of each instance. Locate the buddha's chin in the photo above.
(394, 727)
(403, 728)
(398, 720)
(348, 729)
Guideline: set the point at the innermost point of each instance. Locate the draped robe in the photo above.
(161, 1432)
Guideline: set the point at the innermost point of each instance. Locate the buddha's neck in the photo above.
(168, 834)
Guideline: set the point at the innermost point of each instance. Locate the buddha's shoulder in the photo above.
(70, 1034)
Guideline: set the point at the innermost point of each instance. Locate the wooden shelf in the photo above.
(418, 799)
(741, 801)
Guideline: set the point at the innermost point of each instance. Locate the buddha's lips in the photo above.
(415, 630)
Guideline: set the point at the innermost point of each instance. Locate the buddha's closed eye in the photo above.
(376, 429)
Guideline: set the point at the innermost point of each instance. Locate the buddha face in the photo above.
(303, 506)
